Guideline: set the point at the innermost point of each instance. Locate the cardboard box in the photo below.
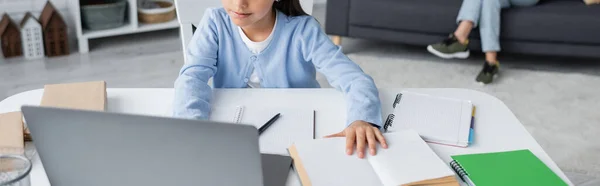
(11, 133)
(83, 95)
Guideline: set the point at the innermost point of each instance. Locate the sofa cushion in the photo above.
(549, 21)
(553, 21)
(426, 16)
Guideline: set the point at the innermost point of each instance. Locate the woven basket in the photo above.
(165, 13)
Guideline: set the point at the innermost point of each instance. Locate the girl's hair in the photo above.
(289, 7)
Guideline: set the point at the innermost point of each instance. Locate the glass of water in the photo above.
(14, 170)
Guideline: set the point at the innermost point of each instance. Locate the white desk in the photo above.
(496, 127)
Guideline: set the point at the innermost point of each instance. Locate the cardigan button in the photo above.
(245, 80)
(253, 58)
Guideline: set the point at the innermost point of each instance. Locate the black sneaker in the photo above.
(488, 73)
(449, 48)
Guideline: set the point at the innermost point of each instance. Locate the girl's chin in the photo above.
(241, 23)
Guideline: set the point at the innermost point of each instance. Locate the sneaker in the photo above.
(488, 73)
(450, 48)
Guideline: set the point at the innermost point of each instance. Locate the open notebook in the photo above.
(294, 124)
(437, 119)
(407, 161)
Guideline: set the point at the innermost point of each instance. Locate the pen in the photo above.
(269, 123)
(314, 123)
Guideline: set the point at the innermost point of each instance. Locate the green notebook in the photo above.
(513, 168)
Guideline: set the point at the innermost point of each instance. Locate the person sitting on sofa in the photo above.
(486, 15)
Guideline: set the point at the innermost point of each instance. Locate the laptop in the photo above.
(100, 148)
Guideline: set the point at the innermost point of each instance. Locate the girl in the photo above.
(486, 14)
(274, 44)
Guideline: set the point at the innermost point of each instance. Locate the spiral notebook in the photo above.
(408, 161)
(294, 124)
(515, 168)
(437, 119)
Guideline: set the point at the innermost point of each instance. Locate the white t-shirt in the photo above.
(256, 47)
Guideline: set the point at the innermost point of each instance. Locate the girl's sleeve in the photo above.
(193, 95)
(361, 94)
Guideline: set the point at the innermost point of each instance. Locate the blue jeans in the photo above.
(486, 15)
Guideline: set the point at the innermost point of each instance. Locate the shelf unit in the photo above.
(131, 26)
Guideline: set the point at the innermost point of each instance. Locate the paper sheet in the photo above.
(293, 125)
(326, 163)
(409, 159)
(436, 119)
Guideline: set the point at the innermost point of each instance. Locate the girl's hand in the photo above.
(361, 133)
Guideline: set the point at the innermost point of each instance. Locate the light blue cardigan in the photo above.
(299, 48)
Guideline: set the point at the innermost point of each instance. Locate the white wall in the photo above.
(18, 6)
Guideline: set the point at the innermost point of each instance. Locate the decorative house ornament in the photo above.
(10, 38)
(54, 30)
(31, 37)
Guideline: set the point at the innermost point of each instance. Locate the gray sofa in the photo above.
(553, 27)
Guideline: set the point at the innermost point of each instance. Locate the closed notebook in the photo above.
(407, 161)
(437, 119)
(515, 168)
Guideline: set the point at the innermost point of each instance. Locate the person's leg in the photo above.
(490, 25)
(456, 45)
(467, 19)
(489, 29)
(463, 30)
(491, 57)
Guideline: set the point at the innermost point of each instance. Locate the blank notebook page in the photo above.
(326, 163)
(293, 125)
(434, 118)
(408, 159)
